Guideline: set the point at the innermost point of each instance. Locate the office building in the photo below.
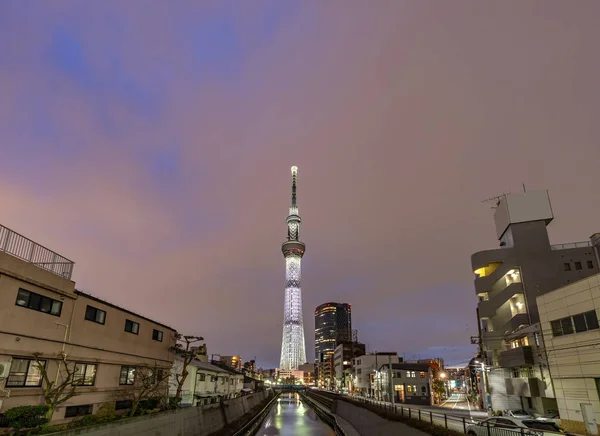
(509, 279)
(569, 325)
(333, 324)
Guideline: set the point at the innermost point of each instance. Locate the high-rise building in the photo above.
(509, 279)
(293, 351)
(333, 324)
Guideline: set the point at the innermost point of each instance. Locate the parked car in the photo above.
(519, 414)
(505, 425)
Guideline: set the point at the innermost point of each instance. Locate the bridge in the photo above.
(287, 388)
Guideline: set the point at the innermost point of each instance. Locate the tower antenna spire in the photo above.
(294, 207)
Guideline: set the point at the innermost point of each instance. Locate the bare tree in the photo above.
(144, 382)
(183, 345)
(61, 389)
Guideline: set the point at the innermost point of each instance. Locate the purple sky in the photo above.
(152, 145)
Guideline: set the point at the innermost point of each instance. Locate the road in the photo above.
(458, 402)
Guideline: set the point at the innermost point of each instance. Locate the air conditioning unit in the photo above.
(4, 369)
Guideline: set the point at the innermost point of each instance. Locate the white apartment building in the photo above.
(364, 371)
(569, 320)
(205, 383)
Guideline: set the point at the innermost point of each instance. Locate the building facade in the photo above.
(234, 362)
(293, 351)
(509, 279)
(570, 329)
(364, 382)
(333, 324)
(411, 383)
(42, 315)
(343, 356)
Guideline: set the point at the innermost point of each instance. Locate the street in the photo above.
(458, 401)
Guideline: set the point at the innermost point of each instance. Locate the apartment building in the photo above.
(364, 382)
(571, 333)
(43, 315)
(411, 383)
(205, 383)
(509, 279)
(342, 361)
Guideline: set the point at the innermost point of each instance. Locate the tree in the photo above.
(145, 382)
(182, 347)
(60, 390)
(439, 388)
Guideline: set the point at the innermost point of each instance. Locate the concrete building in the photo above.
(569, 325)
(205, 383)
(509, 279)
(333, 324)
(234, 362)
(41, 312)
(411, 383)
(343, 356)
(308, 370)
(364, 371)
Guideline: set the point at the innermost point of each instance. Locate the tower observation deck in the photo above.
(293, 352)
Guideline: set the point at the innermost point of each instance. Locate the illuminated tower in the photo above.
(293, 352)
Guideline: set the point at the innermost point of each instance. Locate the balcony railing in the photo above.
(25, 249)
(571, 245)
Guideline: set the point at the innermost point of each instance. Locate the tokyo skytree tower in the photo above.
(293, 352)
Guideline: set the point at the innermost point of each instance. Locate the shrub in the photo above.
(26, 416)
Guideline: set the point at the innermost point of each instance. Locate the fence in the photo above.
(25, 249)
(489, 427)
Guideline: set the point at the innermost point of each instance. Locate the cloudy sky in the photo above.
(151, 143)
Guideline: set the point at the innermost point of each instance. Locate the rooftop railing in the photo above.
(25, 249)
(571, 245)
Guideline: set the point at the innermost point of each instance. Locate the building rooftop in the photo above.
(91, 297)
(25, 249)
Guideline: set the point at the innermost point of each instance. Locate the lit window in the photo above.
(85, 374)
(127, 375)
(24, 373)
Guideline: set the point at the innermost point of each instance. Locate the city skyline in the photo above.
(147, 145)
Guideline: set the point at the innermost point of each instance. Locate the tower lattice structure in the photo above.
(293, 352)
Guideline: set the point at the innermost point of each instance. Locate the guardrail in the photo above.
(250, 428)
(25, 249)
(466, 425)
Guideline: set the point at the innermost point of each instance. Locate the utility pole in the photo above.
(391, 379)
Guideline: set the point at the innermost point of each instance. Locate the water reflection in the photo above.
(290, 417)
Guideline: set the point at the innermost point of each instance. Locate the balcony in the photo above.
(489, 307)
(583, 244)
(521, 356)
(25, 249)
(520, 319)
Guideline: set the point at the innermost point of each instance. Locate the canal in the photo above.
(291, 417)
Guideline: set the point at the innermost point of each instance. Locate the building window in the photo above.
(24, 373)
(213, 378)
(515, 373)
(423, 390)
(359, 371)
(222, 380)
(157, 335)
(127, 375)
(95, 315)
(132, 327)
(85, 374)
(590, 264)
(408, 388)
(123, 404)
(578, 266)
(582, 322)
(73, 411)
(567, 266)
(201, 376)
(38, 302)
(422, 374)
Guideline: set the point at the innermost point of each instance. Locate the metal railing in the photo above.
(571, 245)
(25, 249)
(464, 424)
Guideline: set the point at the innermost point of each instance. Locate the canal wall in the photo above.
(190, 421)
(368, 423)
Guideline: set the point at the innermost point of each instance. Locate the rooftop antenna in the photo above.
(496, 200)
(524, 190)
